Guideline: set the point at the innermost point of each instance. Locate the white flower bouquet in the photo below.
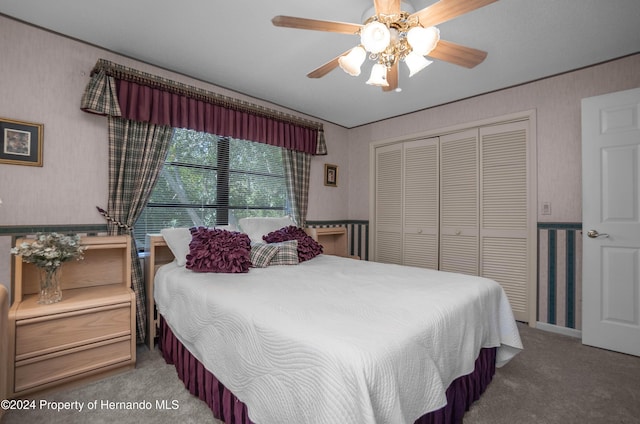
(49, 251)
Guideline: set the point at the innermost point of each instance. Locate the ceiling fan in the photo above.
(392, 36)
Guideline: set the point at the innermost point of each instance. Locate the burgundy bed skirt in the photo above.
(462, 392)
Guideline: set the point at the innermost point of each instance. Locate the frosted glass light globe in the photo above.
(423, 40)
(375, 37)
(352, 61)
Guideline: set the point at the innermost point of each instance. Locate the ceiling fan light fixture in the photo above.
(423, 40)
(352, 61)
(416, 63)
(391, 34)
(375, 37)
(378, 76)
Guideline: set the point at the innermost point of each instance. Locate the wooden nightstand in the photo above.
(4, 343)
(86, 336)
(332, 239)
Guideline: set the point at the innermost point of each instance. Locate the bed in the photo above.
(330, 340)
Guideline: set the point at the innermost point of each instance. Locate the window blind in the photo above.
(210, 181)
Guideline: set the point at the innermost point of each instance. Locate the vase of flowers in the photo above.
(50, 291)
(48, 252)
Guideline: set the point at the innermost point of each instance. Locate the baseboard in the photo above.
(572, 332)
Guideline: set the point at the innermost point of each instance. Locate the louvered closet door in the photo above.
(459, 202)
(420, 243)
(388, 204)
(504, 246)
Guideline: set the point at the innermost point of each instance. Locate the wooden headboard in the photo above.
(158, 255)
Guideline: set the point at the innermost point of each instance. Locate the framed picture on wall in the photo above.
(21, 142)
(330, 175)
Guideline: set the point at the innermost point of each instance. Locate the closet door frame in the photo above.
(532, 184)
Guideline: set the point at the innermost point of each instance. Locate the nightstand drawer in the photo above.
(42, 335)
(60, 365)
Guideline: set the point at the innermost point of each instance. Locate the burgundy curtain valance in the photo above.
(119, 91)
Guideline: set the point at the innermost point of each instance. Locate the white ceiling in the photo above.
(233, 44)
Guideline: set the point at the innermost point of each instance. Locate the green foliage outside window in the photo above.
(209, 180)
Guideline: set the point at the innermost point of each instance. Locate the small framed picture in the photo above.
(330, 175)
(21, 142)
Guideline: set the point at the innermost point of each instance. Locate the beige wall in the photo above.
(42, 77)
(556, 101)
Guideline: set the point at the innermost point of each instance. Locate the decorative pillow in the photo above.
(308, 248)
(214, 250)
(287, 253)
(258, 227)
(178, 240)
(262, 254)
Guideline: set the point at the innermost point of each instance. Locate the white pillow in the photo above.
(229, 227)
(255, 228)
(178, 240)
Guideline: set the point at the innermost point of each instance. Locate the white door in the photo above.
(388, 204)
(459, 202)
(507, 212)
(420, 200)
(406, 203)
(611, 221)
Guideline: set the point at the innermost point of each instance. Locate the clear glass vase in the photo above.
(50, 291)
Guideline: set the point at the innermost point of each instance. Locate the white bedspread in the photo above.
(336, 340)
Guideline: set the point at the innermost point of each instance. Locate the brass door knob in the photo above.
(595, 234)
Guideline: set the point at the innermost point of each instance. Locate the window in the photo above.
(210, 180)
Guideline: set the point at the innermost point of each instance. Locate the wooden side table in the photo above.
(334, 240)
(89, 334)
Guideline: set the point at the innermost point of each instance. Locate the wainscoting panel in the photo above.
(560, 274)
(16, 231)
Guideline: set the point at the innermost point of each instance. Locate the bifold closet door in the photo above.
(459, 246)
(505, 247)
(420, 200)
(388, 204)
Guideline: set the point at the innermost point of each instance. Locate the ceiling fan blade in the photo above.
(314, 24)
(445, 10)
(392, 78)
(387, 7)
(323, 70)
(458, 54)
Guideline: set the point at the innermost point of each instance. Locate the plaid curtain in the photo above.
(118, 90)
(137, 151)
(101, 95)
(321, 146)
(297, 166)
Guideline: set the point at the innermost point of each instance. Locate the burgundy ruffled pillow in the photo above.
(214, 250)
(308, 248)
